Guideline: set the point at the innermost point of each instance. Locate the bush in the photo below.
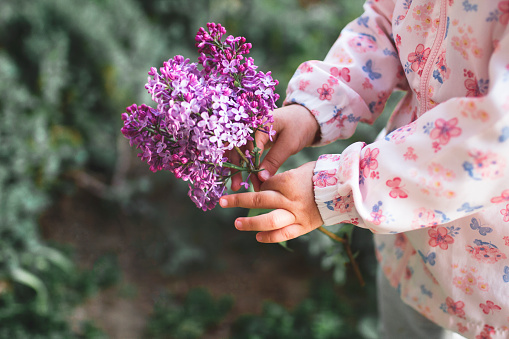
(68, 70)
(188, 319)
(323, 315)
(60, 71)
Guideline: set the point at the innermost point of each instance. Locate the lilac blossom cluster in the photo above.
(204, 111)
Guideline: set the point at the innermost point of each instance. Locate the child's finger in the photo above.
(262, 141)
(283, 234)
(264, 199)
(256, 182)
(276, 156)
(266, 222)
(234, 158)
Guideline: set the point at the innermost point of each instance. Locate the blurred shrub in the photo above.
(190, 318)
(38, 298)
(323, 315)
(61, 65)
(68, 69)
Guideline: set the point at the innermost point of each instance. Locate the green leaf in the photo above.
(26, 278)
(57, 258)
(284, 244)
(347, 229)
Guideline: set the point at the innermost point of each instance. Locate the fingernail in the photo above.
(259, 237)
(264, 175)
(223, 202)
(238, 224)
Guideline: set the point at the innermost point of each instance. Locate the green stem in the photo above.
(331, 235)
(348, 249)
(256, 151)
(355, 266)
(230, 165)
(230, 176)
(164, 134)
(243, 157)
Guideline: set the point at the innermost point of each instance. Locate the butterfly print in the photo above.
(483, 230)
(502, 198)
(425, 291)
(363, 21)
(430, 258)
(467, 208)
(505, 134)
(368, 68)
(341, 73)
(396, 191)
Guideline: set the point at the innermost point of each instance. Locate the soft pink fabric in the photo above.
(435, 189)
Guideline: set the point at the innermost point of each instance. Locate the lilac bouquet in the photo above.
(204, 111)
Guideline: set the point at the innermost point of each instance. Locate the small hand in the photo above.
(295, 128)
(291, 196)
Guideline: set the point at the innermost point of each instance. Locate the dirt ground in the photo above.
(264, 272)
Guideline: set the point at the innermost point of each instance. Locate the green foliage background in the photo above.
(68, 68)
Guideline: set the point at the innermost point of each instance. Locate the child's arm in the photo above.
(352, 84)
(448, 164)
(346, 74)
(354, 81)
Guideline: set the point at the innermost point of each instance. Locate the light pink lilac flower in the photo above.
(203, 110)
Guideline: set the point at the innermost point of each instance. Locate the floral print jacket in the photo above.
(435, 188)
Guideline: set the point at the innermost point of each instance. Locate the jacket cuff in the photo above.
(335, 207)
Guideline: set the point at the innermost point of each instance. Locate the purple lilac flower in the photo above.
(203, 110)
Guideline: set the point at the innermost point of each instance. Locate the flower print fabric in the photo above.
(438, 181)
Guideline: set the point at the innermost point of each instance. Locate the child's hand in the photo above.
(291, 196)
(295, 129)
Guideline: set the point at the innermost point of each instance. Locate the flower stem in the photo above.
(256, 151)
(331, 235)
(230, 165)
(348, 250)
(243, 169)
(243, 157)
(158, 131)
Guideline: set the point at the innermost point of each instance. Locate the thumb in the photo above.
(275, 157)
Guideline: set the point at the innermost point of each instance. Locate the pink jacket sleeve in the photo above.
(449, 163)
(355, 79)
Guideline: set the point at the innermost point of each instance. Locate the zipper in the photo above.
(437, 43)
